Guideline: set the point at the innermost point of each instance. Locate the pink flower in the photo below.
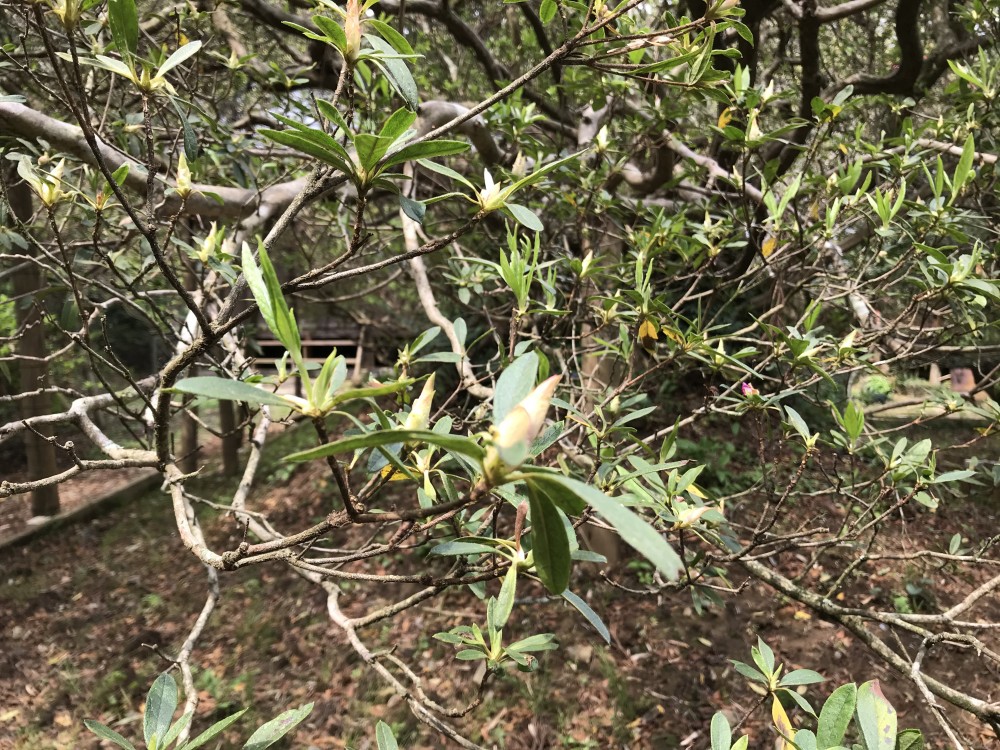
(749, 390)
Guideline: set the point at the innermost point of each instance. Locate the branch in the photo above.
(23, 122)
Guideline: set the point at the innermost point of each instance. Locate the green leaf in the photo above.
(120, 174)
(257, 287)
(910, 739)
(372, 391)
(105, 733)
(224, 389)
(332, 30)
(749, 672)
(505, 601)
(331, 376)
(384, 737)
(161, 702)
(425, 150)
(539, 173)
(876, 717)
(797, 422)
(213, 730)
(397, 124)
(392, 36)
(546, 12)
(456, 444)
(470, 654)
(178, 57)
(124, 23)
(524, 216)
(722, 732)
(514, 383)
(549, 545)
(538, 642)
(441, 169)
(397, 71)
(801, 677)
(805, 740)
(461, 548)
(175, 731)
(309, 144)
(109, 63)
(330, 113)
(285, 329)
(277, 728)
(592, 617)
(415, 210)
(633, 530)
(964, 168)
(953, 476)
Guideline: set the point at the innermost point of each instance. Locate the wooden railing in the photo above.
(316, 350)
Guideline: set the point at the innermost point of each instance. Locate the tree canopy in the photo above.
(577, 235)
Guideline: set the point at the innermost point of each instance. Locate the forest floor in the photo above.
(86, 613)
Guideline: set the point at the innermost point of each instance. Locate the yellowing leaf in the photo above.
(801, 614)
(648, 334)
(782, 724)
(393, 474)
(673, 335)
(725, 117)
(843, 148)
(768, 247)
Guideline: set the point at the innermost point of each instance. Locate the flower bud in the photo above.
(689, 516)
(352, 29)
(420, 415)
(183, 177)
(512, 438)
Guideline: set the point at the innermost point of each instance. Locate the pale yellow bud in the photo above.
(419, 417)
(183, 177)
(512, 438)
(689, 516)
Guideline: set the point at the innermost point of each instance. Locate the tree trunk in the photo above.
(33, 369)
(231, 435)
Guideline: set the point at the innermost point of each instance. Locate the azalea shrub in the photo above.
(634, 229)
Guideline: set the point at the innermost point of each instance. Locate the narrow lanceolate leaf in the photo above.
(228, 390)
(277, 728)
(311, 145)
(638, 534)
(505, 601)
(396, 69)
(964, 168)
(425, 150)
(178, 57)
(592, 617)
(549, 545)
(124, 23)
(255, 280)
(213, 730)
(161, 702)
(106, 733)
(456, 444)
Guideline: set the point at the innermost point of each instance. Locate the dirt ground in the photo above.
(85, 612)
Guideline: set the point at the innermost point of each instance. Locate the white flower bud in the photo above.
(513, 436)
